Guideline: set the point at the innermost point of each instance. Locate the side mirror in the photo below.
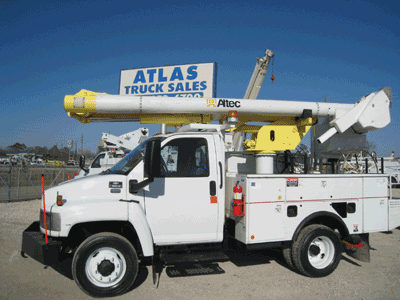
(133, 186)
(152, 159)
(82, 164)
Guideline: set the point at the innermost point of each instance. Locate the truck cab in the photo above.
(188, 162)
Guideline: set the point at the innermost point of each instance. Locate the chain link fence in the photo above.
(25, 182)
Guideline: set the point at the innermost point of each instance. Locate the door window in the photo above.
(185, 157)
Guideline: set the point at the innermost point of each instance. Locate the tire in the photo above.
(287, 255)
(316, 252)
(105, 265)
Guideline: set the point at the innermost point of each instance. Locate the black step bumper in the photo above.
(34, 245)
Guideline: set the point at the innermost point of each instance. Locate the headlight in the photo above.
(53, 221)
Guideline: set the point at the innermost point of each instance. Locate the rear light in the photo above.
(59, 200)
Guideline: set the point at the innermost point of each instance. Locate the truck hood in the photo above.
(88, 189)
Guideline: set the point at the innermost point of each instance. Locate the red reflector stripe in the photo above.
(353, 246)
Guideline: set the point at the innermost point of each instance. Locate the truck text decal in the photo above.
(115, 184)
(290, 182)
(223, 103)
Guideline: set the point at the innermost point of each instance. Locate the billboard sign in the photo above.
(190, 80)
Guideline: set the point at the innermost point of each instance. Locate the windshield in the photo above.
(124, 166)
(130, 161)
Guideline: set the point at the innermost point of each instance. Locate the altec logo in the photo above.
(223, 103)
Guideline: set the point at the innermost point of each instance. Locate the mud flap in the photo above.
(357, 247)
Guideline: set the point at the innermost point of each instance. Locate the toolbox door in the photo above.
(265, 209)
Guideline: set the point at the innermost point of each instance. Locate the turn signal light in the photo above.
(60, 200)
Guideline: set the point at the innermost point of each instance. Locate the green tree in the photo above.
(17, 147)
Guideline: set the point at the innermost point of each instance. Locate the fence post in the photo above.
(19, 174)
(9, 181)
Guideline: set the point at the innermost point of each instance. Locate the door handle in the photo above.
(213, 188)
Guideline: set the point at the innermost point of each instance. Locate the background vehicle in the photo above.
(117, 147)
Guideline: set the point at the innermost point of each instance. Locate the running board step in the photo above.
(178, 258)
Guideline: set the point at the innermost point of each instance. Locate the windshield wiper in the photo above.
(106, 172)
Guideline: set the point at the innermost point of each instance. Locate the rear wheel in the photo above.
(287, 255)
(316, 252)
(105, 265)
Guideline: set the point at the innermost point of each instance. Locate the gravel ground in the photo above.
(255, 275)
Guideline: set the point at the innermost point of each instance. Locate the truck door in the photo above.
(182, 205)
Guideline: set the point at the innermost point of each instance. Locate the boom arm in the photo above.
(260, 70)
(369, 113)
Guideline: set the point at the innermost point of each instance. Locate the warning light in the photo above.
(232, 116)
(252, 237)
(60, 200)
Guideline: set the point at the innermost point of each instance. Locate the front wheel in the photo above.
(105, 265)
(316, 251)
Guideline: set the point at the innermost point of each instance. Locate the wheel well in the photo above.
(80, 232)
(324, 218)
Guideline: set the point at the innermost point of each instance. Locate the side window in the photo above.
(185, 157)
(96, 162)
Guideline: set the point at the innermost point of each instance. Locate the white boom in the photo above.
(371, 112)
(260, 70)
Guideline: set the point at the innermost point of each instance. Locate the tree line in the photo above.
(53, 153)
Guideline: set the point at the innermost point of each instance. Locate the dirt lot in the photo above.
(255, 275)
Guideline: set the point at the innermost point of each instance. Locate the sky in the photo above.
(341, 50)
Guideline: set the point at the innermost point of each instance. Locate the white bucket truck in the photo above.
(182, 196)
(116, 146)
